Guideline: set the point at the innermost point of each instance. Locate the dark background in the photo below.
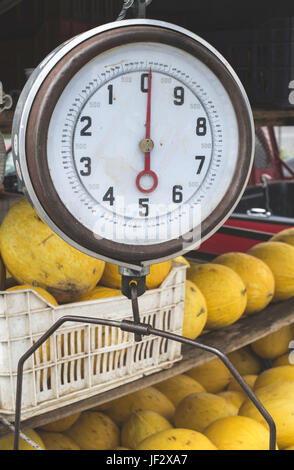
(30, 29)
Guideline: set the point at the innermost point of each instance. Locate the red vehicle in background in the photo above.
(267, 205)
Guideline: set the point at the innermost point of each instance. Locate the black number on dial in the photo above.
(87, 166)
(177, 194)
(108, 196)
(143, 203)
(144, 82)
(179, 95)
(84, 131)
(201, 126)
(202, 160)
(110, 98)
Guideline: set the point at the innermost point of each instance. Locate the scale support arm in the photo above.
(139, 329)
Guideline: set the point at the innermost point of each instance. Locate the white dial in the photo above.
(97, 143)
(134, 141)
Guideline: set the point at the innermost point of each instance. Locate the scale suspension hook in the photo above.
(138, 5)
(126, 5)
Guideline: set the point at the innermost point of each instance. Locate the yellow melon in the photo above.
(62, 424)
(4, 274)
(177, 439)
(198, 410)
(238, 433)
(7, 443)
(233, 396)
(121, 448)
(245, 361)
(183, 260)
(147, 399)
(102, 336)
(178, 387)
(289, 448)
(195, 311)
(256, 275)
(58, 441)
(286, 359)
(94, 431)
(140, 425)
(279, 257)
(277, 398)
(275, 344)
(111, 277)
(39, 290)
(274, 375)
(285, 236)
(158, 272)
(35, 255)
(224, 292)
(214, 376)
(100, 292)
(250, 379)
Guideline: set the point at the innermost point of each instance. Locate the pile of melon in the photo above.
(203, 409)
(34, 257)
(237, 284)
(217, 294)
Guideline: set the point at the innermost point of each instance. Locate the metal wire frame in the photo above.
(23, 436)
(137, 329)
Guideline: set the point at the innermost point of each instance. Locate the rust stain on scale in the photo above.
(124, 60)
(117, 63)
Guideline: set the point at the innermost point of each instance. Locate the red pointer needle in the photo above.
(147, 146)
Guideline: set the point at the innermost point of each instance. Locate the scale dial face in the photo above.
(138, 143)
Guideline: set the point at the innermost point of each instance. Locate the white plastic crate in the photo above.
(83, 360)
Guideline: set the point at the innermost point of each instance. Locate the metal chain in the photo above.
(22, 435)
(126, 5)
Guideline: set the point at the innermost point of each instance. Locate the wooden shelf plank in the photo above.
(273, 117)
(235, 336)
